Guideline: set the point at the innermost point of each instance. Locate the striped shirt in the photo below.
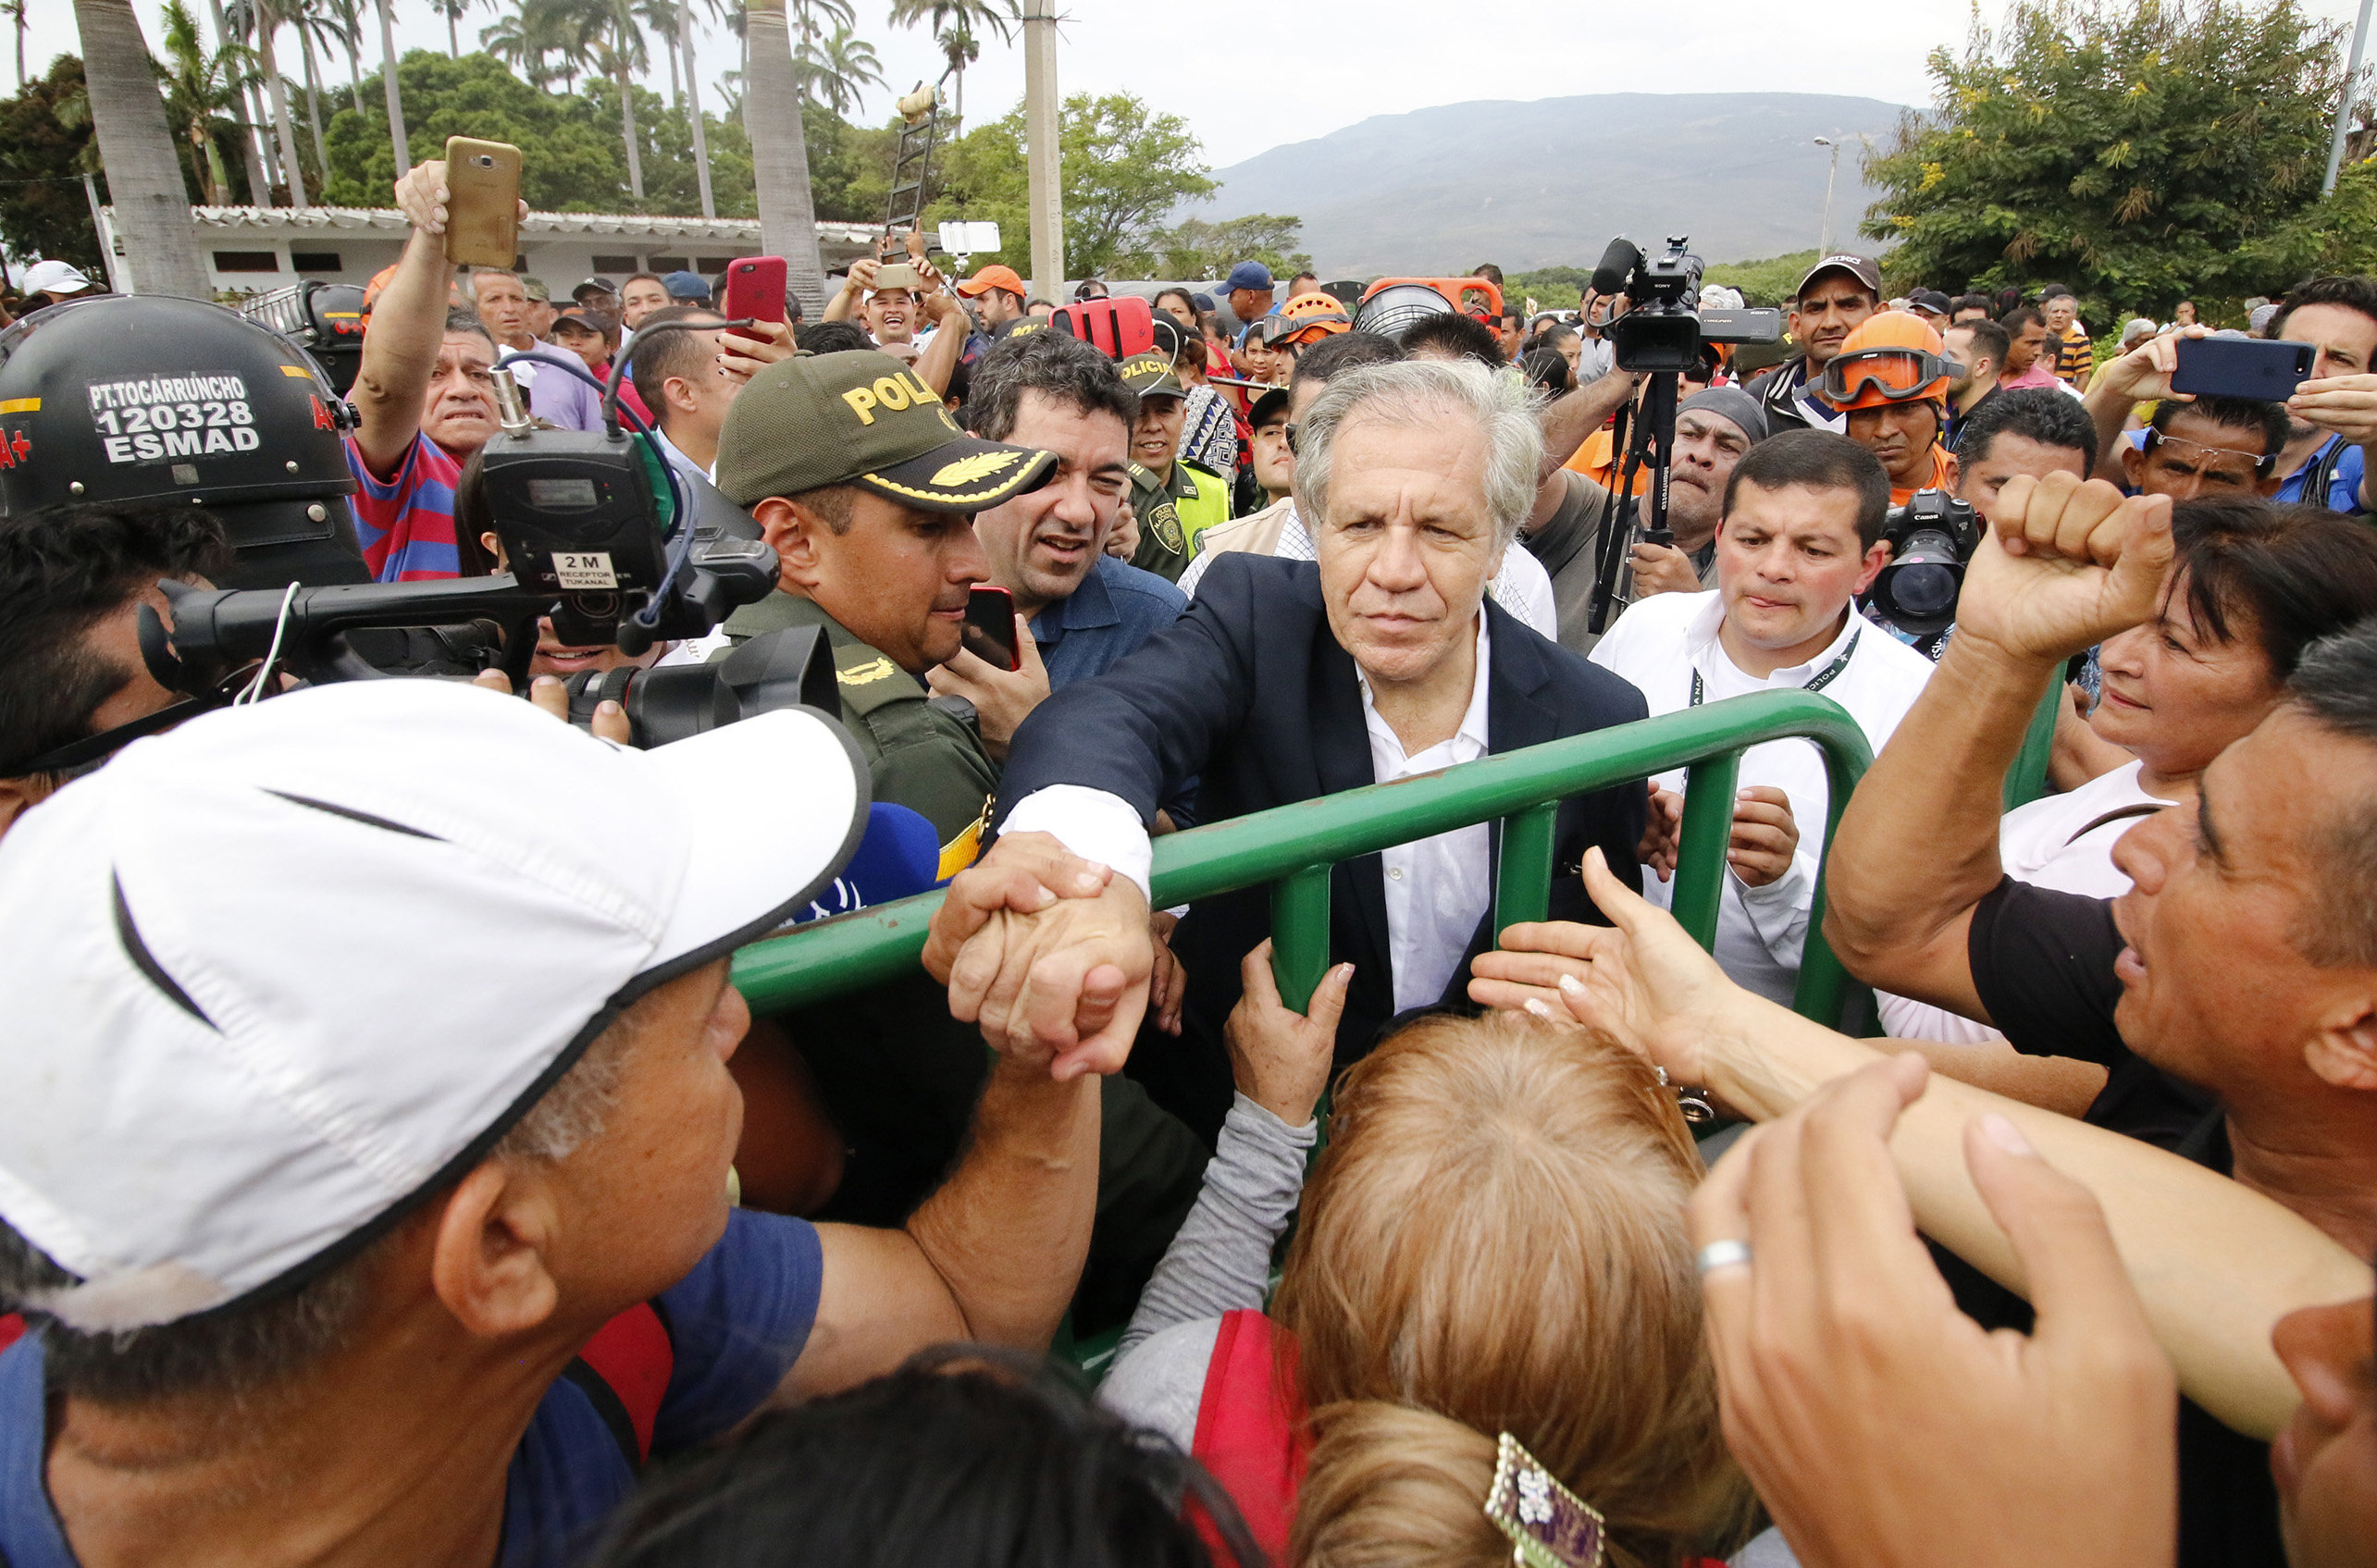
(406, 522)
(2076, 355)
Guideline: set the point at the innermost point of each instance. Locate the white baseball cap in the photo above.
(274, 976)
(55, 278)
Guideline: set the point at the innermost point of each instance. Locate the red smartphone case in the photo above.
(755, 289)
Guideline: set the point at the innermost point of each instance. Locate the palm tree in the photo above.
(232, 25)
(780, 152)
(693, 105)
(346, 18)
(619, 52)
(143, 170)
(398, 140)
(518, 43)
(660, 16)
(271, 16)
(961, 48)
(312, 20)
(836, 73)
(964, 17)
(200, 88)
(15, 11)
(453, 11)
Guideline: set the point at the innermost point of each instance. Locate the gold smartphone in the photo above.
(482, 203)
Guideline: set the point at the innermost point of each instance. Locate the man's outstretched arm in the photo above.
(2217, 1264)
(408, 323)
(994, 1255)
(2065, 566)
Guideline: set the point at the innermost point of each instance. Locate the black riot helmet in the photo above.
(142, 403)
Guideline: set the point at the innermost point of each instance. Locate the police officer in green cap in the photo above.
(1172, 499)
(866, 488)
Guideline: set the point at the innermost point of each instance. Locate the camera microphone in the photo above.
(1617, 265)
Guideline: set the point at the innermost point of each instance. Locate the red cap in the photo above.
(993, 277)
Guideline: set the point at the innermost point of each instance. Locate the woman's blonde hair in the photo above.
(1494, 1240)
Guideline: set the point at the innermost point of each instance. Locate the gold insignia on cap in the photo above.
(966, 469)
(862, 674)
(1145, 365)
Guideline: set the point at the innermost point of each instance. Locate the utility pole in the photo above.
(1043, 158)
(1824, 235)
(2344, 102)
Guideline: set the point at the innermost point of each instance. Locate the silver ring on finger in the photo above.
(1730, 1252)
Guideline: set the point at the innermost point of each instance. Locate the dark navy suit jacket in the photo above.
(1250, 692)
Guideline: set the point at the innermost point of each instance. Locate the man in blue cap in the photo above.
(686, 288)
(1250, 301)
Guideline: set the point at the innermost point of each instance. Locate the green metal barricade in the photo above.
(1291, 847)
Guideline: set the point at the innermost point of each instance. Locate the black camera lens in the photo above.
(1922, 590)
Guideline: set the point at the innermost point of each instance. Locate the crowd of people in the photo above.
(391, 1171)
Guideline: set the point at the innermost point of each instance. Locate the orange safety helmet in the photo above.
(1895, 357)
(1308, 318)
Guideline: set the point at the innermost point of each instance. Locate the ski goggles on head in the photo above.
(1896, 375)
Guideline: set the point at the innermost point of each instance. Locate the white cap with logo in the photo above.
(277, 974)
(55, 278)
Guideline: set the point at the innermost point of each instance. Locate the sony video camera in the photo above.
(1663, 326)
(1931, 538)
(599, 533)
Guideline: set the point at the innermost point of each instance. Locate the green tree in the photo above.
(2140, 153)
(128, 117)
(1125, 169)
(1194, 248)
(571, 158)
(42, 153)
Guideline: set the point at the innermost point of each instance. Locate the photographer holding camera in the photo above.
(1800, 539)
(73, 688)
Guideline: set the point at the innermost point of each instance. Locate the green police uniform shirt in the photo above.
(919, 756)
(1171, 515)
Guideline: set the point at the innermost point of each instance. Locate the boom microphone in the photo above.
(1617, 265)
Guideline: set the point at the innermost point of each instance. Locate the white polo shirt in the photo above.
(1660, 644)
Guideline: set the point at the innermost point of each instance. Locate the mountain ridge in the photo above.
(1530, 184)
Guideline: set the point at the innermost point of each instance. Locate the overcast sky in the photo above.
(1248, 77)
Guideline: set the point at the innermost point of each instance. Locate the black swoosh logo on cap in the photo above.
(145, 961)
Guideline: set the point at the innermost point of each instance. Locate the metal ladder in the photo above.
(919, 134)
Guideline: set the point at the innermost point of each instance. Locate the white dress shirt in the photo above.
(1522, 587)
(2064, 842)
(1659, 644)
(1437, 889)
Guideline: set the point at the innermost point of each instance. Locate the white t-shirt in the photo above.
(2064, 842)
(1659, 644)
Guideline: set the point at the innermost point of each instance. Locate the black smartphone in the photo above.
(989, 630)
(2242, 367)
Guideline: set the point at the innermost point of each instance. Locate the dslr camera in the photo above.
(1931, 538)
(1663, 326)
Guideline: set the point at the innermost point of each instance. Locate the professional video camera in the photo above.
(600, 533)
(1662, 328)
(1659, 335)
(1931, 538)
